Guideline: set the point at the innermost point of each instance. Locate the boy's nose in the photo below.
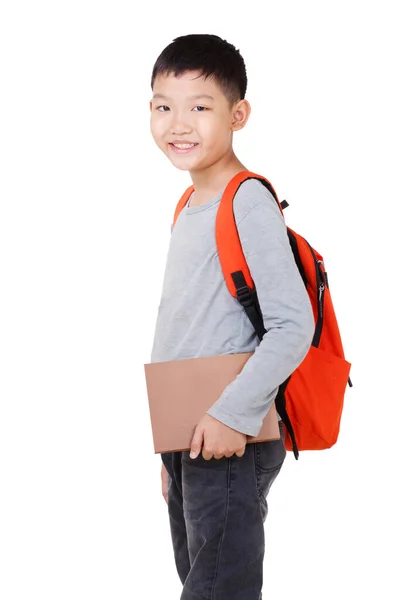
(180, 126)
(180, 131)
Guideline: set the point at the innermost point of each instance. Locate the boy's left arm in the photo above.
(287, 315)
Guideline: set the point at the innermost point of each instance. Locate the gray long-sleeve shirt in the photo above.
(197, 315)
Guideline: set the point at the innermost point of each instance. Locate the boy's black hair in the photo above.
(209, 54)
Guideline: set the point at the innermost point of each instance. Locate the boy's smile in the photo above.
(182, 147)
(192, 122)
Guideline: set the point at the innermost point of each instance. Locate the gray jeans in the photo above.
(217, 510)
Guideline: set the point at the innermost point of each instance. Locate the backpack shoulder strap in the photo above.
(233, 262)
(227, 238)
(182, 202)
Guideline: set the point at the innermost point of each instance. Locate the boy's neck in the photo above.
(210, 182)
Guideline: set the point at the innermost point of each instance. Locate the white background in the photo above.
(87, 200)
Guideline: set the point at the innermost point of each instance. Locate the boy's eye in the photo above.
(164, 106)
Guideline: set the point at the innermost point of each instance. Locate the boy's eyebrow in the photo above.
(195, 97)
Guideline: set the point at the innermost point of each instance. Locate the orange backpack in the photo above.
(310, 400)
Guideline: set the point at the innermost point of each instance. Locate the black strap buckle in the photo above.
(245, 296)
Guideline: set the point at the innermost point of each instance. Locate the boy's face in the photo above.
(191, 109)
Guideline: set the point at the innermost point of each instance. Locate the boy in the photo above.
(216, 495)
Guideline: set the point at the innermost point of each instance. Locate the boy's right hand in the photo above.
(164, 482)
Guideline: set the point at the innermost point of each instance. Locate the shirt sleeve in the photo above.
(287, 315)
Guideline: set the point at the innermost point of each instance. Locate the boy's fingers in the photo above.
(197, 442)
(164, 483)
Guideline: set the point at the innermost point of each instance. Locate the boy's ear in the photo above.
(151, 106)
(240, 114)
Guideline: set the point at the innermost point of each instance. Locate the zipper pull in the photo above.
(325, 274)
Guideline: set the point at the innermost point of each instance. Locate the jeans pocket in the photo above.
(268, 460)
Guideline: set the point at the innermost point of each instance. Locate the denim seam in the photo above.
(260, 470)
(224, 529)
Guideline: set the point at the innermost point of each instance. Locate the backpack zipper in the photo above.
(320, 298)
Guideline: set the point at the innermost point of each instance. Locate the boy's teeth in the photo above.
(184, 145)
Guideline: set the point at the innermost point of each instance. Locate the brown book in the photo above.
(181, 391)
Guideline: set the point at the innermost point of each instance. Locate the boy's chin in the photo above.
(182, 167)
